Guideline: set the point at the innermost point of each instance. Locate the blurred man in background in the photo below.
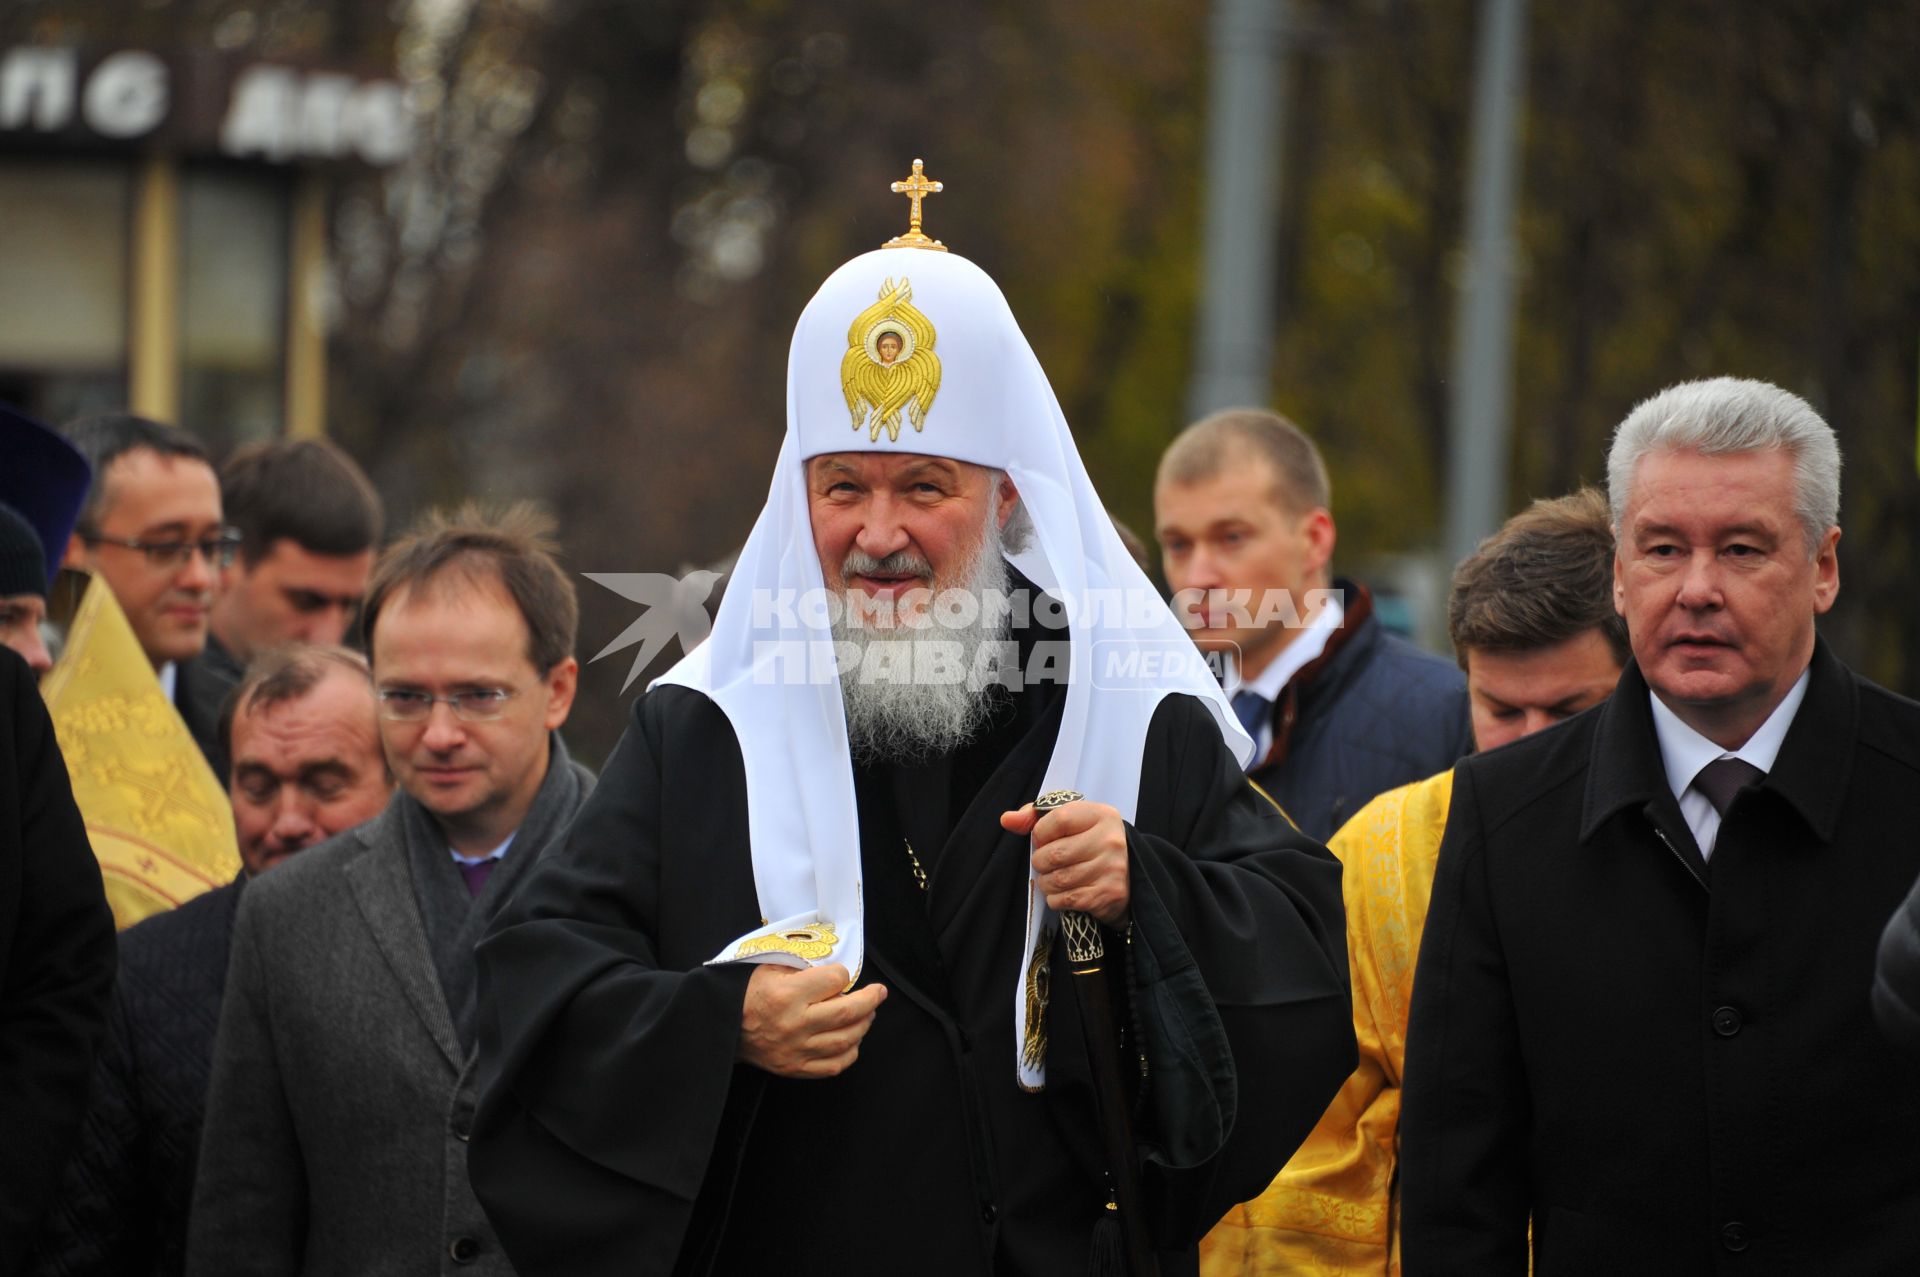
(1532, 622)
(309, 522)
(152, 529)
(1339, 709)
(307, 765)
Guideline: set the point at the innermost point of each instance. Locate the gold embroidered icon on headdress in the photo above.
(890, 364)
(811, 943)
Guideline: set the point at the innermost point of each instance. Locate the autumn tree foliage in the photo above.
(581, 286)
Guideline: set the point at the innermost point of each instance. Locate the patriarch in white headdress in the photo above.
(916, 353)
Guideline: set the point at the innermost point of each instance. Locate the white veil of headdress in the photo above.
(769, 662)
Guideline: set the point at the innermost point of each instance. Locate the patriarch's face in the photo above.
(892, 529)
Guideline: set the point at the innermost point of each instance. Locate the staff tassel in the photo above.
(1130, 1253)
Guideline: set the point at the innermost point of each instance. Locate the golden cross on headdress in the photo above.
(916, 187)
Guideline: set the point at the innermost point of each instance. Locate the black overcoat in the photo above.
(617, 1135)
(56, 961)
(1670, 1066)
(124, 1198)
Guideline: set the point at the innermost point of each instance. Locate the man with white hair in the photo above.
(811, 982)
(1641, 1031)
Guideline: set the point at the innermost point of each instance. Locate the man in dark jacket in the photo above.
(307, 765)
(309, 522)
(1640, 1026)
(1339, 710)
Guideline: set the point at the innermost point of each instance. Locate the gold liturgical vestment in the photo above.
(1334, 1208)
(155, 813)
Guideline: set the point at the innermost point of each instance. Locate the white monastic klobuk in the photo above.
(991, 405)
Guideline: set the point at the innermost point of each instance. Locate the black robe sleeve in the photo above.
(56, 962)
(1239, 957)
(607, 1065)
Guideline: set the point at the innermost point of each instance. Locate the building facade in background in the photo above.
(163, 231)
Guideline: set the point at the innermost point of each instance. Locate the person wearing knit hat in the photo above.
(23, 590)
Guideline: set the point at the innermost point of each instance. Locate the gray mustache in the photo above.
(899, 563)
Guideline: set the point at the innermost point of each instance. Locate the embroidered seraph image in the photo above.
(811, 943)
(890, 365)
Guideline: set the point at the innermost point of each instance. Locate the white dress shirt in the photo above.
(498, 853)
(1269, 682)
(169, 675)
(1684, 752)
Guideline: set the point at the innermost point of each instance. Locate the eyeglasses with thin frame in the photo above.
(479, 705)
(219, 549)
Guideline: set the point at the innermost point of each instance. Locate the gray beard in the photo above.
(909, 719)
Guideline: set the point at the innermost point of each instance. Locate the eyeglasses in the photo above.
(481, 705)
(220, 548)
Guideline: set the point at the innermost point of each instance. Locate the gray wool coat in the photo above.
(338, 1116)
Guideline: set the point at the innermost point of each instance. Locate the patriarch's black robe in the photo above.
(617, 1134)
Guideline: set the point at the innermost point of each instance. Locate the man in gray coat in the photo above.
(338, 1116)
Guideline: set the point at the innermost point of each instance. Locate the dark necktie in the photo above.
(477, 874)
(1253, 710)
(1722, 778)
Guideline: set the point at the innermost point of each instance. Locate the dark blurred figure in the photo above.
(341, 1099)
(1339, 710)
(1641, 1039)
(152, 530)
(309, 522)
(1896, 985)
(307, 765)
(56, 961)
(42, 484)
